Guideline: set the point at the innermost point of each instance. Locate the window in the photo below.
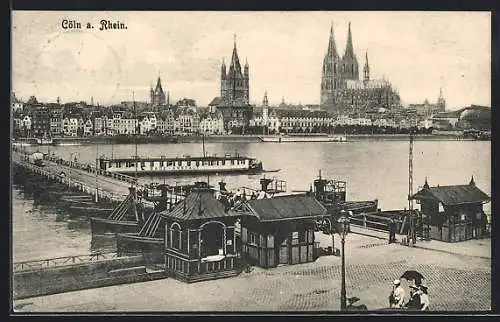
(169, 163)
(223, 162)
(188, 163)
(175, 236)
(197, 163)
(295, 238)
(302, 236)
(243, 234)
(252, 238)
(232, 162)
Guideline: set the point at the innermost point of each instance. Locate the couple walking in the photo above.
(419, 299)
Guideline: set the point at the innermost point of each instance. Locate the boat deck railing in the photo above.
(71, 182)
(371, 221)
(61, 261)
(82, 166)
(91, 169)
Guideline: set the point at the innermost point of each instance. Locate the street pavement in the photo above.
(457, 282)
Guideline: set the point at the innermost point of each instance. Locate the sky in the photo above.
(418, 52)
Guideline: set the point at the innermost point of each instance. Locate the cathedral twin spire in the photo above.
(349, 61)
(332, 50)
(349, 50)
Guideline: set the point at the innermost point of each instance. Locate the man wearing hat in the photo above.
(396, 299)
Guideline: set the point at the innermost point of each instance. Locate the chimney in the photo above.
(264, 183)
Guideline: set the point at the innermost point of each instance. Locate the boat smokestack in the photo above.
(264, 183)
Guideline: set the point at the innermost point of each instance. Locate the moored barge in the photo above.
(181, 165)
(303, 138)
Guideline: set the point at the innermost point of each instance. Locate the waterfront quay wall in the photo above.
(152, 249)
(248, 138)
(52, 280)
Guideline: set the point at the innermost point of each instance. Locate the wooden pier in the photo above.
(83, 177)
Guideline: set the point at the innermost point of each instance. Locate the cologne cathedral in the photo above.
(342, 91)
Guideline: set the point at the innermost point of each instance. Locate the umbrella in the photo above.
(412, 275)
(353, 299)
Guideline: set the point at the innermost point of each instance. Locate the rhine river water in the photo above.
(373, 169)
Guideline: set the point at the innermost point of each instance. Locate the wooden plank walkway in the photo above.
(115, 187)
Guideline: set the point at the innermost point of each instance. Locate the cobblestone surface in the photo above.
(456, 282)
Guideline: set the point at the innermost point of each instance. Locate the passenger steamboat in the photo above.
(304, 138)
(182, 165)
(44, 141)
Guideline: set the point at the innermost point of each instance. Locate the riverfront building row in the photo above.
(346, 99)
(56, 121)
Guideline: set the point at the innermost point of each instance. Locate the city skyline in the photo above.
(418, 52)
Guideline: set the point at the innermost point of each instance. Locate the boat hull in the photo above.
(44, 142)
(289, 139)
(78, 202)
(151, 248)
(102, 226)
(357, 207)
(90, 211)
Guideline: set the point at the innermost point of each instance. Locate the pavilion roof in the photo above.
(284, 208)
(199, 204)
(453, 195)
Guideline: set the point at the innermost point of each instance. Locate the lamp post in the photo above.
(332, 231)
(343, 228)
(70, 166)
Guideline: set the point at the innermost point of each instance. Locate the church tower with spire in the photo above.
(234, 103)
(158, 97)
(349, 60)
(366, 70)
(235, 83)
(265, 111)
(151, 94)
(441, 101)
(331, 75)
(223, 79)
